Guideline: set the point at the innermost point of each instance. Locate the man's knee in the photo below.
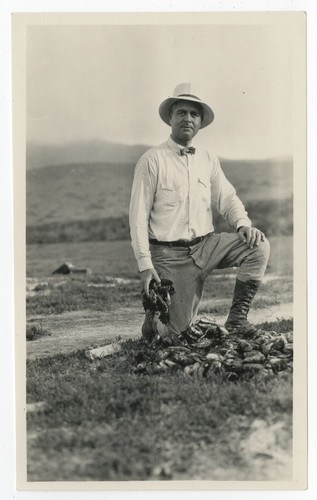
(264, 250)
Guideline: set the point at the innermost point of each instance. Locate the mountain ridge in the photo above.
(93, 151)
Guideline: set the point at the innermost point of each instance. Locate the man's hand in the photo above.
(146, 277)
(250, 236)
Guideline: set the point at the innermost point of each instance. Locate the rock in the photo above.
(163, 472)
(68, 268)
(41, 286)
(38, 407)
(103, 351)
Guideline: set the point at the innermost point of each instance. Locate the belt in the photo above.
(177, 243)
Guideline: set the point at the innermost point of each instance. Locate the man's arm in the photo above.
(224, 198)
(142, 197)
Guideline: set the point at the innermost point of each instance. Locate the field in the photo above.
(89, 202)
(99, 420)
(103, 422)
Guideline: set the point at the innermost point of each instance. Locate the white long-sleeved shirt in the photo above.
(172, 197)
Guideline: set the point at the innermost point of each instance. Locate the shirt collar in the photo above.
(173, 145)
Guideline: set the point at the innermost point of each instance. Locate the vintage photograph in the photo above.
(163, 155)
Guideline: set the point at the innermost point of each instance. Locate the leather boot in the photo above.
(243, 295)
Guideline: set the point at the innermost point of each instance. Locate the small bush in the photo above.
(34, 332)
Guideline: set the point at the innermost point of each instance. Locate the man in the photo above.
(174, 189)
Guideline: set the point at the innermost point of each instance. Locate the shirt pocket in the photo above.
(203, 189)
(169, 193)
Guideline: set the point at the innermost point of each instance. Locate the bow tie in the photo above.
(184, 151)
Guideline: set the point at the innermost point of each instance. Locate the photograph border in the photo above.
(19, 24)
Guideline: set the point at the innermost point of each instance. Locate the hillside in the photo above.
(41, 156)
(66, 193)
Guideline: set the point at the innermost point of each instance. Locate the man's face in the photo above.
(185, 120)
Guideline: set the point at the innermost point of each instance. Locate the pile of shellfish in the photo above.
(206, 348)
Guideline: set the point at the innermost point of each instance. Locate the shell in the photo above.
(157, 369)
(163, 366)
(236, 366)
(254, 357)
(223, 331)
(212, 356)
(161, 355)
(178, 348)
(244, 345)
(170, 363)
(204, 343)
(266, 348)
(196, 356)
(191, 369)
(277, 364)
(196, 331)
(279, 344)
(211, 331)
(232, 353)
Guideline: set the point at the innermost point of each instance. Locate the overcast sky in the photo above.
(106, 83)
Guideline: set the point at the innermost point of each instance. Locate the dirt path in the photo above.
(76, 330)
(72, 331)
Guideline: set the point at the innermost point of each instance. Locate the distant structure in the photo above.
(68, 268)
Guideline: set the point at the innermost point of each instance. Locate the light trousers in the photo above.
(188, 268)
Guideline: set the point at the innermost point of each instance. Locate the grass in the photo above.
(75, 294)
(274, 217)
(115, 258)
(103, 422)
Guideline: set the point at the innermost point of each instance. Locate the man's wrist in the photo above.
(243, 223)
(145, 263)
